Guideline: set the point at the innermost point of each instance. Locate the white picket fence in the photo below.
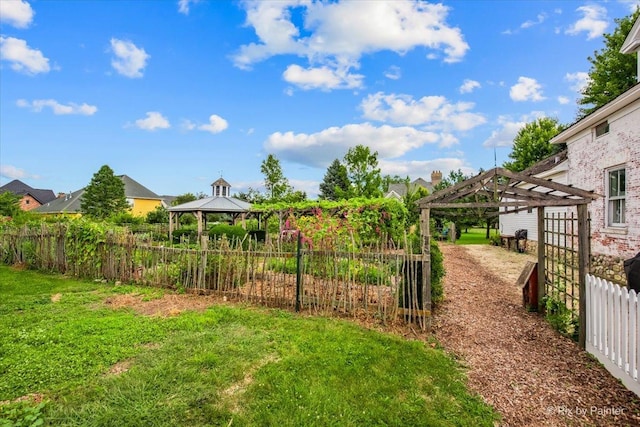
(613, 329)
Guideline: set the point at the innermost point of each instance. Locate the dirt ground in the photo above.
(531, 374)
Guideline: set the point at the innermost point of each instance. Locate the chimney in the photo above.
(436, 177)
(61, 195)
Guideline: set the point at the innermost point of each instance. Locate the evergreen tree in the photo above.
(9, 204)
(104, 196)
(612, 72)
(335, 184)
(532, 143)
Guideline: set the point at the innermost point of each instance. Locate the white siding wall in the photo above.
(508, 224)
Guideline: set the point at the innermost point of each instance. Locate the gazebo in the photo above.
(220, 202)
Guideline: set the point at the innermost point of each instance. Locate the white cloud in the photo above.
(216, 124)
(184, 6)
(153, 121)
(310, 187)
(23, 58)
(12, 172)
(433, 112)
(420, 168)
(469, 86)
(539, 20)
(527, 89)
(321, 148)
(393, 73)
(508, 129)
(187, 125)
(631, 4)
(563, 100)
(593, 21)
(17, 13)
(129, 59)
(38, 105)
(338, 34)
(321, 78)
(579, 80)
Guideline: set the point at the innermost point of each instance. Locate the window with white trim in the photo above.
(616, 195)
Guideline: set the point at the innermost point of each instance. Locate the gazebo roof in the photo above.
(214, 204)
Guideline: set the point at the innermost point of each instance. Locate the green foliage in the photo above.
(189, 232)
(160, 215)
(251, 196)
(125, 218)
(363, 172)
(410, 199)
(104, 196)
(612, 72)
(437, 273)
(232, 232)
(84, 239)
(275, 183)
(21, 414)
(335, 184)
(355, 221)
(557, 313)
(531, 144)
(9, 204)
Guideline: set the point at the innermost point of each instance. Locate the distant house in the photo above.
(398, 191)
(553, 168)
(140, 199)
(31, 197)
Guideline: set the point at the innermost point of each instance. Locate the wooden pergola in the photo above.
(503, 192)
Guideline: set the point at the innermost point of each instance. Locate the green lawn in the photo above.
(224, 366)
(474, 236)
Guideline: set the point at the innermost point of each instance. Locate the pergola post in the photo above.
(426, 267)
(584, 253)
(541, 268)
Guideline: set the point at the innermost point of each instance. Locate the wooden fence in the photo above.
(613, 326)
(380, 283)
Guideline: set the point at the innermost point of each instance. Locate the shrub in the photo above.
(188, 232)
(233, 232)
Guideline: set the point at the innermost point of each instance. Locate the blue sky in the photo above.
(177, 93)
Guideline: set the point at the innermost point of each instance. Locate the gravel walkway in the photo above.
(531, 374)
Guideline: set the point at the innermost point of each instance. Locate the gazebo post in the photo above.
(199, 216)
(171, 220)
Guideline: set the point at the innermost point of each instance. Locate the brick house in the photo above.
(30, 198)
(604, 156)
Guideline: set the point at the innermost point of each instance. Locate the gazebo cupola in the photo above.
(221, 188)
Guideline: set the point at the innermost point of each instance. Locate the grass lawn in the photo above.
(474, 236)
(61, 345)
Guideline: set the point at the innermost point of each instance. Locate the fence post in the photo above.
(298, 271)
(542, 276)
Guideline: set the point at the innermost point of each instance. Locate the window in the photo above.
(616, 195)
(602, 129)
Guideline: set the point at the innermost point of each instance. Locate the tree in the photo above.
(104, 196)
(335, 184)
(387, 180)
(276, 184)
(9, 204)
(363, 172)
(186, 198)
(532, 143)
(612, 72)
(160, 215)
(251, 196)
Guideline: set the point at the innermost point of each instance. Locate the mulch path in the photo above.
(530, 373)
